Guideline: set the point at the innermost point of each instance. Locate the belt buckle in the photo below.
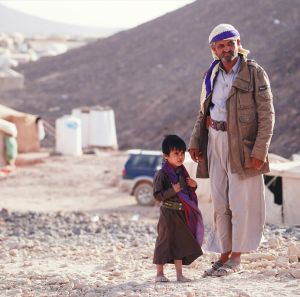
(219, 126)
(222, 126)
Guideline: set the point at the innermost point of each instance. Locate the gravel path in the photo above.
(103, 246)
(79, 254)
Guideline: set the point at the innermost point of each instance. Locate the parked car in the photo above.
(140, 169)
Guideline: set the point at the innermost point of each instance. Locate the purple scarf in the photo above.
(190, 203)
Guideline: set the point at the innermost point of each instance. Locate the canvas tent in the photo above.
(282, 188)
(27, 127)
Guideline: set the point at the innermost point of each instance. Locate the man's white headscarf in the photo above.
(226, 32)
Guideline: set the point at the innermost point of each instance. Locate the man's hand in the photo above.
(256, 163)
(176, 187)
(192, 183)
(196, 155)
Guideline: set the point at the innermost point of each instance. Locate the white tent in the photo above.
(288, 175)
(282, 200)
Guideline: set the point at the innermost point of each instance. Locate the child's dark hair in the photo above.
(172, 142)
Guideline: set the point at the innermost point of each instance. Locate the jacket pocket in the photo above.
(248, 124)
(247, 150)
(246, 98)
(247, 118)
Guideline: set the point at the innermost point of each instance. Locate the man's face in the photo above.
(226, 50)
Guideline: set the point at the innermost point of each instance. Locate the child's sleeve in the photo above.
(159, 191)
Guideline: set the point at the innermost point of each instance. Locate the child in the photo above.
(180, 227)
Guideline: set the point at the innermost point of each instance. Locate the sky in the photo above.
(97, 13)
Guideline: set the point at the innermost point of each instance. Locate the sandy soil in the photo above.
(69, 227)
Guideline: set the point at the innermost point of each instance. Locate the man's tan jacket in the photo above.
(250, 122)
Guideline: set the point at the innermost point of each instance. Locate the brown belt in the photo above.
(172, 205)
(217, 125)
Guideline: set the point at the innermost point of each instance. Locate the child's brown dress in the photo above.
(175, 241)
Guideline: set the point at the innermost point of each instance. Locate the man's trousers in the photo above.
(239, 204)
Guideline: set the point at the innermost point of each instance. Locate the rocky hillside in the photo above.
(151, 74)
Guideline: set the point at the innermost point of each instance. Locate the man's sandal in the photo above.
(215, 266)
(228, 268)
(161, 279)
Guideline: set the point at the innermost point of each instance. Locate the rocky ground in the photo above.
(56, 242)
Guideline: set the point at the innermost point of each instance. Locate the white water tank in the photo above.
(83, 113)
(102, 128)
(68, 135)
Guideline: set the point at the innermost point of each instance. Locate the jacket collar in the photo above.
(243, 79)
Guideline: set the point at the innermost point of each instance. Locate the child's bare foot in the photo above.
(183, 279)
(161, 279)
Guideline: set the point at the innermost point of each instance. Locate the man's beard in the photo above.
(229, 58)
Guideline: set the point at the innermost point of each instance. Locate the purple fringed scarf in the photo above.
(210, 77)
(190, 203)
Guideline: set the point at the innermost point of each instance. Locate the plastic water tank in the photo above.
(102, 128)
(83, 113)
(68, 135)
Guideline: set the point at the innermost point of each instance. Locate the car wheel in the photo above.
(144, 194)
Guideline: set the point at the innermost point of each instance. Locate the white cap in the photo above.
(223, 32)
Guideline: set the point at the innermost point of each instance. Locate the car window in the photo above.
(144, 161)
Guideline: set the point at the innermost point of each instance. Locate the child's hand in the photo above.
(176, 187)
(192, 183)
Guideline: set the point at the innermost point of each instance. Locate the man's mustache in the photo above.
(231, 53)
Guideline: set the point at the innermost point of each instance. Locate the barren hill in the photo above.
(151, 74)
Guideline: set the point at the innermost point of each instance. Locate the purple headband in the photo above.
(225, 35)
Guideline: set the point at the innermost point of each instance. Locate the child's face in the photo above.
(175, 158)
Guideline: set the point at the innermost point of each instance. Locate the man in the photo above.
(230, 142)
